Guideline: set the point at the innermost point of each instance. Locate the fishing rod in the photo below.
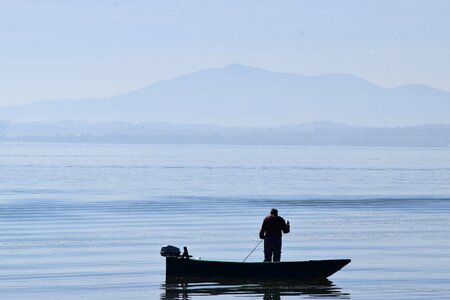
(252, 251)
(262, 239)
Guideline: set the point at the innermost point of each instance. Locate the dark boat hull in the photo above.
(180, 267)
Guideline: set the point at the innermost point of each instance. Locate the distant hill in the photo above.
(316, 133)
(245, 96)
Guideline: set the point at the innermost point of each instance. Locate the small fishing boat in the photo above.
(184, 266)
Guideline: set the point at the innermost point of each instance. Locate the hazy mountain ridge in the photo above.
(245, 96)
(316, 133)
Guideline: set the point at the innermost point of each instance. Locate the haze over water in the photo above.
(81, 221)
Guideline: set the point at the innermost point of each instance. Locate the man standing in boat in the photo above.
(272, 230)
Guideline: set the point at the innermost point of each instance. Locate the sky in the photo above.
(78, 49)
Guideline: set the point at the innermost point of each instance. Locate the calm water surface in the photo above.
(88, 221)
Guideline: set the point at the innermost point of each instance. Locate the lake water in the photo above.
(87, 221)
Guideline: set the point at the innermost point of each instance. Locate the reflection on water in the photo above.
(267, 290)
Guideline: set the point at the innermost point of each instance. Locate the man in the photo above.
(272, 229)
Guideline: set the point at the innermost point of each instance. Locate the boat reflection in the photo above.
(176, 289)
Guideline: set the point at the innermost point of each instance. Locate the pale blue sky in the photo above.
(72, 49)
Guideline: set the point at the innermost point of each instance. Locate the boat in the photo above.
(184, 266)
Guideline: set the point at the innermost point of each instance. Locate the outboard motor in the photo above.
(170, 251)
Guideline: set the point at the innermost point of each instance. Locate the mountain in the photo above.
(245, 96)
